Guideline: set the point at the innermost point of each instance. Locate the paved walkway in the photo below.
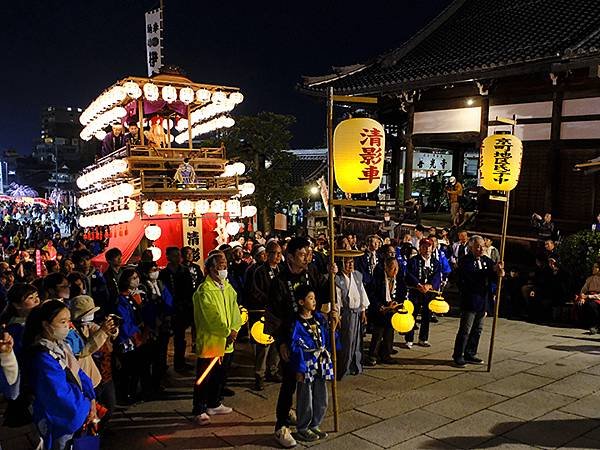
(543, 392)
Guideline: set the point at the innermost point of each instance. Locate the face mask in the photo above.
(134, 284)
(223, 274)
(153, 275)
(60, 334)
(87, 318)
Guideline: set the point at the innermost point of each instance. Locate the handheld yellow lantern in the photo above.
(358, 153)
(403, 321)
(439, 306)
(244, 315)
(500, 162)
(258, 333)
(408, 305)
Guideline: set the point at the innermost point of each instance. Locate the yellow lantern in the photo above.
(408, 305)
(439, 306)
(358, 153)
(500, 162)
(244, 314)
(403, 322)
(258, 333)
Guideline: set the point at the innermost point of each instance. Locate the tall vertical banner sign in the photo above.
(154, 41)
(500, 162)
(192, 236)
(358, 153)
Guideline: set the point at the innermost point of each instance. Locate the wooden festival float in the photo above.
(160, 185)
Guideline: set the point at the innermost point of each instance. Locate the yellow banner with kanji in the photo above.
(500, 162)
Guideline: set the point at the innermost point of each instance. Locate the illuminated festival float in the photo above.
(155, 188)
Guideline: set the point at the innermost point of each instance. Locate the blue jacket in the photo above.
(415, 275)
(476, 285)
(131, 315)
(298, 355)
(60, 406)
(440, 255)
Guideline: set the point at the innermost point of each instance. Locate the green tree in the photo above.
(260, 142)
(578, 253)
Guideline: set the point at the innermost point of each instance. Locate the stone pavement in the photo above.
(543, 392)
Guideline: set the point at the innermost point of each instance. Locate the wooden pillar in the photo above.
(395, 167)
(553, 181)
(485, 117)
(410, 153)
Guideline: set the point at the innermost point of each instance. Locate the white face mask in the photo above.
(223, 274)
(153, 275)
(60, 334)
(87, 318)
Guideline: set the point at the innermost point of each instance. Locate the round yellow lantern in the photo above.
(500, 162)
(439, 306)
(258, 333)
(358, 153)
(408, 306)
(244, 314)
(403, 322)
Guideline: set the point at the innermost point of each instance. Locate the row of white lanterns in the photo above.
(96, 125)
(206, 127)
(106, 195)
(110, 217)
(105, 101)
(231, 170)
(204, 113)
(185, 207)
(105, 171)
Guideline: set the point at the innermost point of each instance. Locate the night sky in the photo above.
(65, 52)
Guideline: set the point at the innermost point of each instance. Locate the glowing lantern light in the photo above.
(185, 207)
(218, 97)
(359, 153)
(236, 97)
(186, 95)
(232, 228)
(258, 333)
(132, 89)
(156, 253)
(229, 171)
(249, 211)
(234, 208)
(151, 92)
(408, 306)
(500, 162)
(244, 314)
(439, 306)
(100, 135)
(202, 207)
(152, 232)
(169, 94)
(247, 189)
(150, 208)
(403, 322)
(168, 207)
(239, 168)
(202, 95)
(217, 206)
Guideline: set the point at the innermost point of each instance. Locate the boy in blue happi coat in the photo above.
(311, 359)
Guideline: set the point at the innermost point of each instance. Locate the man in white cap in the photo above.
(455, 192)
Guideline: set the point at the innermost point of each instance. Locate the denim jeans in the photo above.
(469, 332)
(311, 403)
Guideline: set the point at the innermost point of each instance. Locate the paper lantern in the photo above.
(152, 232)
(408, 305)
(232, 228)
(186, 95)
(234, 208)
(239, 168)
(500, 162)
(202, 95)
(247, 189)
(358, 153)
(217, 206)
(132, 89)
(403, 322)
(168, 207)
(249, 211)
(151, 92)
(169, 94)
(202, 207)
(150, 208)
(185, 207)
(439, 306)
(244, 314)
(156, 253)
(236, 97)
(258, 333)
(218, 97)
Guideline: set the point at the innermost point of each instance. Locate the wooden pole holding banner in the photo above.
(330, 185)
(512, 123)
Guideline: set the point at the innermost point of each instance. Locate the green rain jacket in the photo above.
(216, 313)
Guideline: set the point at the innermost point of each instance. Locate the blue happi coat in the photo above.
(309, 357)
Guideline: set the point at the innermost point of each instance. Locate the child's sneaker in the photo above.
(318, 432)
(306, 436)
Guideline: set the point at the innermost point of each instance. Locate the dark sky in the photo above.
(65, 52)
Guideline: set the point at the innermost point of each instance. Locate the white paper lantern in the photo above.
(229, 171)
(202, 207)
(119, 165)
(217, 206)
(185, 207)
(151, 92)
(203, 95)
(239, 168)
(218, 97)
(232, 228)
(169, 94)
(100, 135)
(186, 95)
(168, 207)
(132, 89)
(249, 211)
(234, 208)
(247, 189)
(152, 232)
(150, 208)
(125, 189)
(236, 97)
(156, 253)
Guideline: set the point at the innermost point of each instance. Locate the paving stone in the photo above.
(421, 442)
(587, 406)
(392, 387)
(401, 428)
(581, 442)
(349, 421)
(505, 368)
(593, 370)
(560, 368)
(465, 403)
(397, 405)
(473, 430)
(501, 442)
(516, 384)
(552, 430)
(541, 356)
(532, 404)
(345, 442)
(576, 385)
(594, 434)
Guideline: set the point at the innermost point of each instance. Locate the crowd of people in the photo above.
(78, 342)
